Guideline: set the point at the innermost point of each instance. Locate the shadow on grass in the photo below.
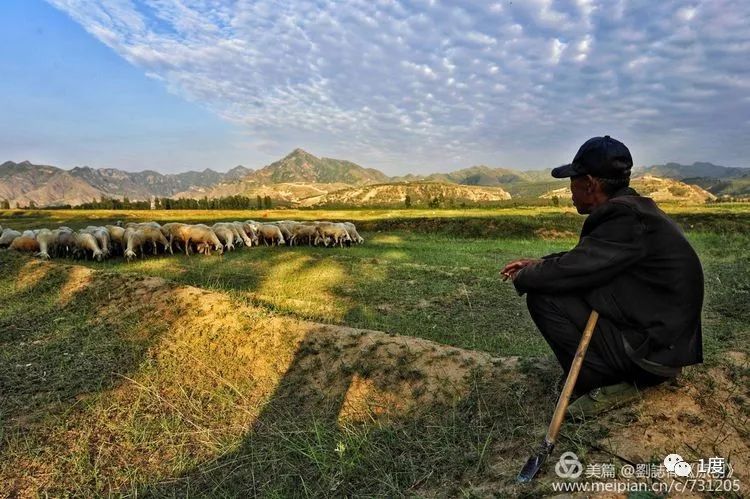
(55, 347)
(315, 438)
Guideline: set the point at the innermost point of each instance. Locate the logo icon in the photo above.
(675, 464)
(568, 466)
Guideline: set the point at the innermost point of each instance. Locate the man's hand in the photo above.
(511, 269)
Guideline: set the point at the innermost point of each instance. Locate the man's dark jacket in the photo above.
(635, 267)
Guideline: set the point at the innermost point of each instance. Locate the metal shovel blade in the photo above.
(534, 463)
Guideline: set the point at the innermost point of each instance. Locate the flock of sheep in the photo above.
(133, 239)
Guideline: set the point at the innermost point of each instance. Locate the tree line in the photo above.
(222, 203)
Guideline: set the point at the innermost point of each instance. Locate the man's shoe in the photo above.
(603, 399)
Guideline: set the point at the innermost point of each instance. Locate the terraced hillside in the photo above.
(419, 194)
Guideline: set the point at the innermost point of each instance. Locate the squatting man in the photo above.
(634, 266)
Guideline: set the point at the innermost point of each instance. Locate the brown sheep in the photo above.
(25, 243)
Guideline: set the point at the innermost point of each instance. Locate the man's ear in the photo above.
(591, 184)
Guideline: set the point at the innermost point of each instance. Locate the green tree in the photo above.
(267, 202)
(5, 204)
(259, 201)
(407, 201)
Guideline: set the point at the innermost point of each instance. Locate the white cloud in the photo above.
(557, 48)
(381, 81)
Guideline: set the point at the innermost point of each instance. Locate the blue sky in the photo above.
(417, 86)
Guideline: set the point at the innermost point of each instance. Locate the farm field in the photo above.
(250, 373)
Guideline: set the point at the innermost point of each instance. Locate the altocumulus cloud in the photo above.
(431, 82)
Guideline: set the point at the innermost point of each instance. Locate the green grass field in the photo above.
(98, 400)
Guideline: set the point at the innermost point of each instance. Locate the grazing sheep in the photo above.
(154, 236)
(336, 232)
(86, 242)
(237, 238)
(134, 240)
(102, 236)
(251, 229)
(140, 225)
(352, 230)
(285, 228)
(101, 241)
(225, 235)
(270, 233)
(171, 231)
(66, 242)
(116, 236)
(25, 243)
(47, 240)
(246, 239)
(303, 233)
(7, 237)
(202, 236)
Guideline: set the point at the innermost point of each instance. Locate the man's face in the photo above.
(581, 187)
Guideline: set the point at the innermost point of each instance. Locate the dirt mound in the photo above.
(703, 414)
(376, 372)
(552, 234)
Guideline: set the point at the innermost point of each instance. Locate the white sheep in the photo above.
(270, 234)
(225, 235)
(47, 240)
(7, 237)
(86, 242)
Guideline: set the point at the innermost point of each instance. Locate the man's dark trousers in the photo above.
(562, 318)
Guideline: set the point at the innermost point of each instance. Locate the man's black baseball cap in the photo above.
(602, 157)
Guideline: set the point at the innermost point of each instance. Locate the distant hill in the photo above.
(297, 175)
(698, 169)
(519, 184)
(480, 175)
(728, 187)
(45, 185)
(301, 166)
(716, 179)
(420, 194)
(660, 189)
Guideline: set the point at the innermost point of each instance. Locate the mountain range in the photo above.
(302, 178)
